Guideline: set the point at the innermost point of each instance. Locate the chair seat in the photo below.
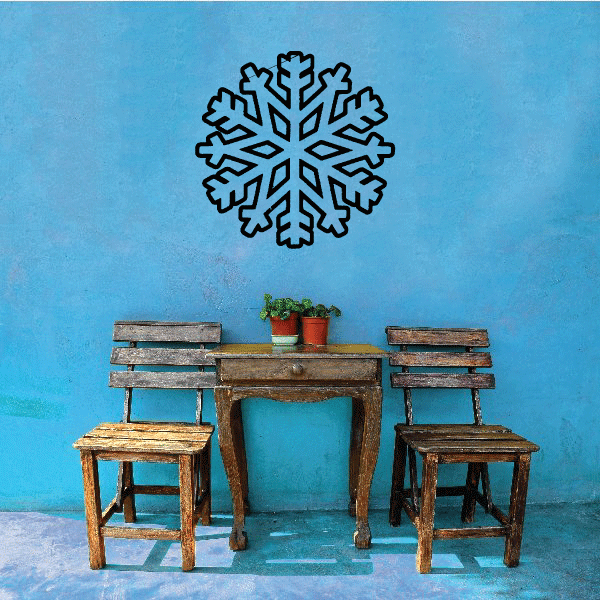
(449, 428)
(163, 438)
(464, 439)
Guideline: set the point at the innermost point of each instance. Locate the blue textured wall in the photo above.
(490, 218)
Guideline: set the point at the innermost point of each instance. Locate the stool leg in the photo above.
(398, 475)
(205, 490)
(129, 513)
(186, 498)
(93, 509)
(471, 486)
(518, 498)
(425, 522)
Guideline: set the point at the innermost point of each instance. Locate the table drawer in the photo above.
(296, 371)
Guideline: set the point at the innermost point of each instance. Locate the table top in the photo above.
(297, 351)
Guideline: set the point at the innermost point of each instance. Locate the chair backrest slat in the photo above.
(155, 331)
(427, 336)
(440, 359)
(162, 380)
(443, 380)
(160, 356)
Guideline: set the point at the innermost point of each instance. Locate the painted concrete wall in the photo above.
(490, 218)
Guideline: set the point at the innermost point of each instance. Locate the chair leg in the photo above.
(186, 498)
(518, 498)
(129, 513)
(93, 509)
(398, 475)
(414, 483)
(471, 487)
(425, 519)
(204, 484)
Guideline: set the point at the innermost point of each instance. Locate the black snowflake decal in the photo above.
(295, 151)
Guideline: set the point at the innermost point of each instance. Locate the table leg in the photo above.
(356, 436)
(372, 399)
(237, 428)
(231, 460)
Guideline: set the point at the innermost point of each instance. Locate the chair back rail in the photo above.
(473, 381)
(161, 357)
(440, 359)
(426, 347)
(165, 344)
(162, 380)
(155, 331)
(429, 336)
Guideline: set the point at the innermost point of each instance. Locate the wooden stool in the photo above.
(139, 442)
(153, 346)
(476, 444)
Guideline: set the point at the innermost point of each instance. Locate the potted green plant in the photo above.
(315, 322)
(284, 316)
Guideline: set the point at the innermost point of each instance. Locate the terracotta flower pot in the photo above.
(284, 331)
(315, 330)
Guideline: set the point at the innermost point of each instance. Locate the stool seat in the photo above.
(465, 439)
(162, 438)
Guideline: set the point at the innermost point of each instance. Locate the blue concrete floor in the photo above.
(302, 555)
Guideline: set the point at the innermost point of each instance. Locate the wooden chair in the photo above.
(475, 444)
(163, 345)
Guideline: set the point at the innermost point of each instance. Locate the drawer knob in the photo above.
(297, 369)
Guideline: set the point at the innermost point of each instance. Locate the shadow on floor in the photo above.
(302, 555)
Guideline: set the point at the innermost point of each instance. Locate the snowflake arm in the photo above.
(255, 217)
(325, 98)
(294, 225)
(228, 112)
(361, 112)
(257, 84)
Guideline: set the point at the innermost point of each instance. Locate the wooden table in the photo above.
(300, 374)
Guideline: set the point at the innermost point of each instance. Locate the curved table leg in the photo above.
(227, 419)
(356, 436)
(372, 399)
(237, 428)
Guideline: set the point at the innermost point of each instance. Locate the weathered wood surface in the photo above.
(186, 444)
(162, 490)
(518, 498)
(426, 514)
(299, 393)
(475, 445)
(297, 371)
(163, 442)
(162, 380)
(471, 446)
(149, 426)
(158, 331)
(93, 510)
(443, 380)
(448, 427)
(258, 370)
(122, 355)
(186, 500)
(264, 351)
(136, 456)
(469, 532)
(139, 533)
(440, 359)
(426, 336)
